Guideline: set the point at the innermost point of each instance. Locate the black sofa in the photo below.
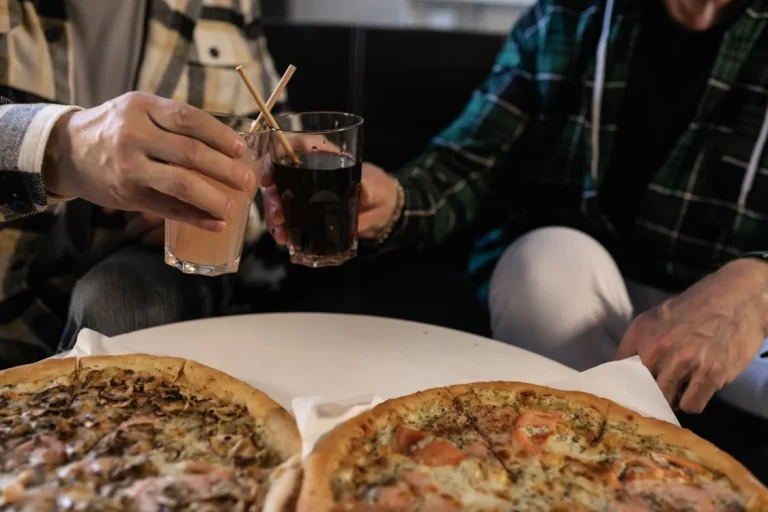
(408, 84)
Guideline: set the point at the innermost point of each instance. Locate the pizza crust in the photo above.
(705, 453)
(601, 405)
(316, 490)
(279, 429)
(164, 367)
(39, 376)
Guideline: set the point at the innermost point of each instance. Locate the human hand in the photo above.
(378, 200)
(135, 153)
(701, 340)
(147, 228)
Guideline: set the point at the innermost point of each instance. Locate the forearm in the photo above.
(445, 191)
(24, 135)
(447, 188)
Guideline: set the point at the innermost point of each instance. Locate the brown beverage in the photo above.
(320, 201)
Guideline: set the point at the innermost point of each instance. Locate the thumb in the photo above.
(628, 346)
(368, 194)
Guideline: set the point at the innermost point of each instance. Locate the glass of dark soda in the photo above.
(319, 185)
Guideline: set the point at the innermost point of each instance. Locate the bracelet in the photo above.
(396, 214)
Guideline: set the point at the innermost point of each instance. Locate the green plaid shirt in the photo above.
(519, 155)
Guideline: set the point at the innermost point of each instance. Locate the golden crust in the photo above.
(599, 404)
(166, 367)
(280, 431)
(316, 490)
(37, 376)
(704, 452)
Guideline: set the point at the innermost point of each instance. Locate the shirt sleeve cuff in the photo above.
(32, 154)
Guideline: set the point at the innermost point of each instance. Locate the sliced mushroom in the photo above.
(9, 411)
(54, 399)
(226, 412)
(167, 406)
(118, 393)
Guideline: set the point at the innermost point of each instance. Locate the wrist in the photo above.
(55, 160)
(397, 212)
(754, 268)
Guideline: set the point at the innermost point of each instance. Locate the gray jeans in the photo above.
(134, 289)
(559, 293)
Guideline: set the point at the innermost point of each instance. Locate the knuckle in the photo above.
(652, 352)
(192, 151)
(642, 321)
(125, 175)
(132, 99)
(688, 356)
(715, 371)
(175, 211)
(182, 117)
(125, 135)
(236, 172)
(178, 188)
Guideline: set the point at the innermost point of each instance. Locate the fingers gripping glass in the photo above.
(319, 193)
(196, 251)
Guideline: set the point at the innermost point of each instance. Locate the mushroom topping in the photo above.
(225, 412)
(54, 399)
(185, 491)
(117, 394)
(43, 450)
(9, 411)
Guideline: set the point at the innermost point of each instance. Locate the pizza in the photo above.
(139, 433)
(514, 446)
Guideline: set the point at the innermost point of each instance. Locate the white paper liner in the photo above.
(626, 382)
(89, 343)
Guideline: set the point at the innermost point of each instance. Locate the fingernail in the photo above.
(249, 181)
(230, 208)
(239, 149)
(214, 225)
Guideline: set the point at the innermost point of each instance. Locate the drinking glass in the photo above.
(319, 190)
(197, 251)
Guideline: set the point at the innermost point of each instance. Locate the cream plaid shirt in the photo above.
(41, 256)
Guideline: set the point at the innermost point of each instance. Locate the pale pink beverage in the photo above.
(196, 251)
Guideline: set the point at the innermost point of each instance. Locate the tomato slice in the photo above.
(438, 453)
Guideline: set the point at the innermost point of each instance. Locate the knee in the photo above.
(115, 299)
(546, 272)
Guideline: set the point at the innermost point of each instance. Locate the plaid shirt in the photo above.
(519, 156)
(41, 256)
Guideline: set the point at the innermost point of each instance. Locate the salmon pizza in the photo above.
(137, 432)
(513, 446)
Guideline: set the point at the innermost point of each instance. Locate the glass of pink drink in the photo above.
(196, 251)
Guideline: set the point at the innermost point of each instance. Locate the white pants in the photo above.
(558, 292)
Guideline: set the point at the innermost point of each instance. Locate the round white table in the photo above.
(340, 356)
